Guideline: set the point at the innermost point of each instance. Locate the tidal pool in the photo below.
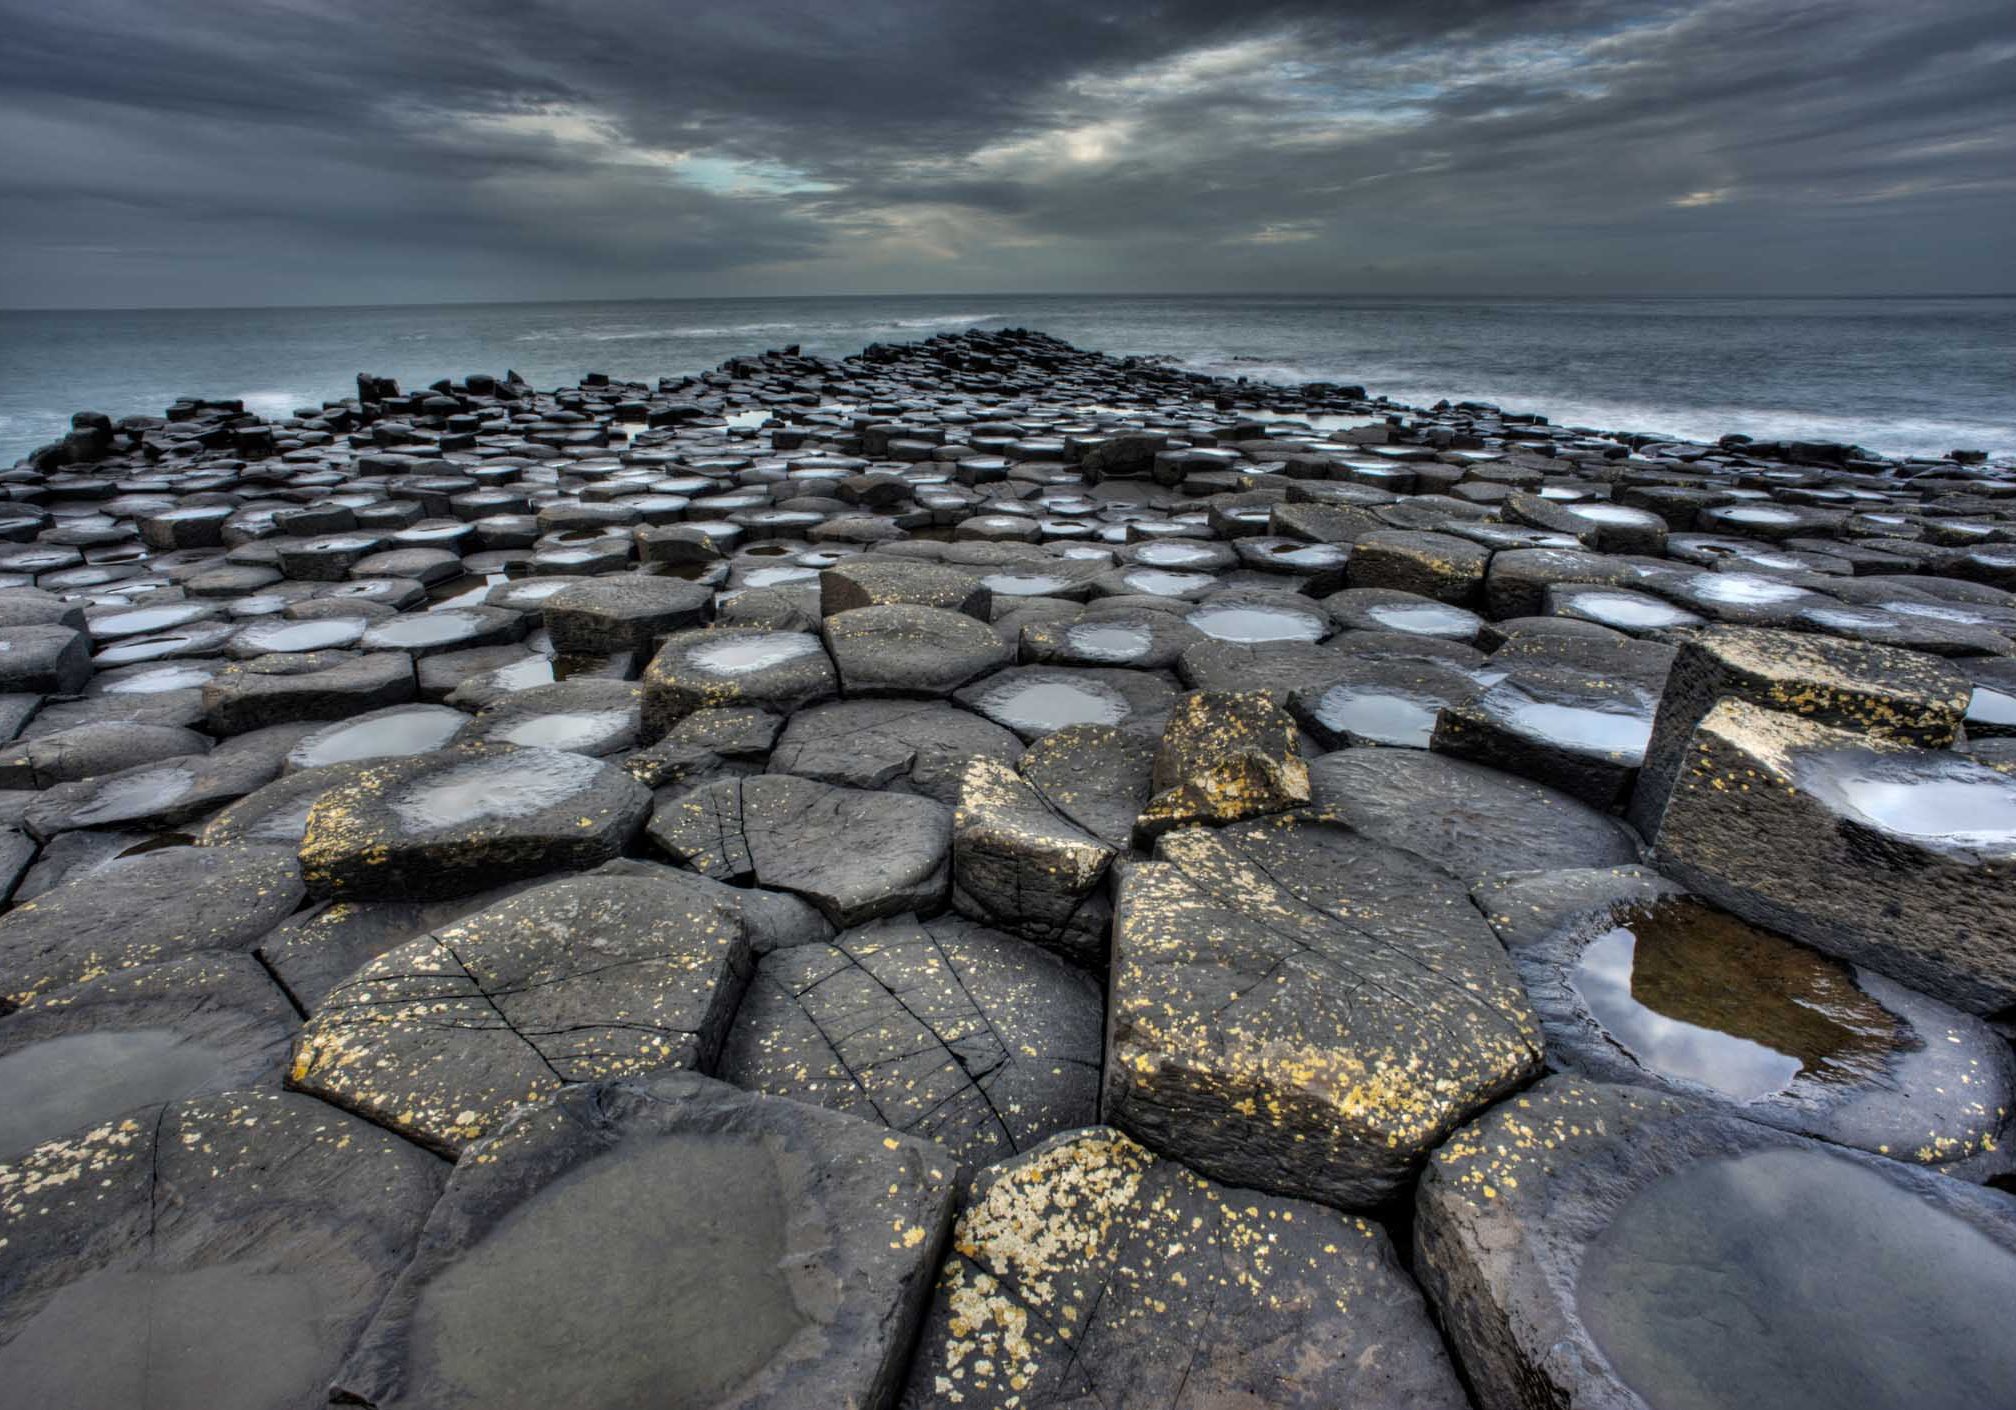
(652, 1278)
(741, 655)
(1258, 624)
(1691, 992)
(53, 1088)
(409, 731)
(509, 786)
(1798, 1280)
(1095, 641)
(1041, 705)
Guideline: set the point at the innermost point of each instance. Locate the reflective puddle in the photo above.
(1691, 992)
(1798, 1280)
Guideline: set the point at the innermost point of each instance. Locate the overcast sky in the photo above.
(207, 152)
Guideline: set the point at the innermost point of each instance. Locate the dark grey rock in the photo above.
(941, 1029)
(853, 853)
(1089, 1272)
(221, 1252)
(579, 980)
(144, 910)
(721, 1247)
(464, 819)
(1298, 1008)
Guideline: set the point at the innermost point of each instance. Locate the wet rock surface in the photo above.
(1300, 1009)
(1090, 1272)
(790, 1269)
(1610, 1245)
(941, 1029)
(576, 981)
(222, 1251)
(984, 740)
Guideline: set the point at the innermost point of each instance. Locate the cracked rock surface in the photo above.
(941, 1029)
(579, 980)
(790, 1269)
(1090, 1272)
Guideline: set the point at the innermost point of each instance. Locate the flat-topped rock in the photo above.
(1598, 1245)
(902, 746)
(1471, 820)
(715, 1246)
(1090, 1272)
(793, 834)
(458, 820)
(1301, 1009)
(223, 1251)
(137, 1038)
(942, 1029)
(1881, 854)
(142, 910)
(1637, 983)
(575, 981)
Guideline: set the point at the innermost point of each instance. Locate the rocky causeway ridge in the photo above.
(982, 874)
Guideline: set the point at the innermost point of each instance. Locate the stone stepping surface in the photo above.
(1192, 833)
(1089, 1271)
(715, 1247)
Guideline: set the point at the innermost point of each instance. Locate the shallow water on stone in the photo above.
(1024, 584)
(1173, 555)
(1744, 589)
(416, 731)
(159, 679)
(1041, 706)
(745, 654)
(1989, 706)
(1759, 514)
(488, 790)
(1396, 720)
(1691, 992)
(149, 619)
(51, 1089)
(225, 1337)
(1157, 583)
(1578, 727)
(142, 648)
(1629, 610)
(1613, 514)
(1257, 624)
(567, 730)
(653, 1278)
(137, 795)
(1094, 641)
(1425, 620)
(1799, 1280)
(421, 629)
(301, 636)
(1978, 810)
(466, 591)
(778, 577)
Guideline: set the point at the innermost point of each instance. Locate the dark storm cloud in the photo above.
(216, 151)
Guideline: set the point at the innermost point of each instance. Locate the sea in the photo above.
(1901, 376)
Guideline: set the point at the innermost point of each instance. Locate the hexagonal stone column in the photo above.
(589, 978)
(1297, 1008)
(1088, 1272)
(459, 820)
(942, 1029)
(220, 1252)
(666, 1241)
(1591, 1245)
(1879, 691)
(1900, 859)
(1224, 757)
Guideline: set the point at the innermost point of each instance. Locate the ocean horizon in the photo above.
(1903, 375)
